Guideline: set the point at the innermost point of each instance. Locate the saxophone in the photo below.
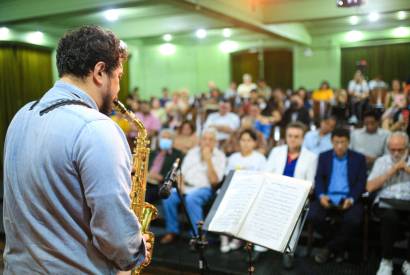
(143, 210)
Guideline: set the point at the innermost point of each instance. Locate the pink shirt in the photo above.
(151, 122)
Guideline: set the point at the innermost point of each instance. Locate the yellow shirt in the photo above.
(323, 95)
(123, 123)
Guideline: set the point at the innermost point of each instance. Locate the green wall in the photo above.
(191, 67)
(323, 64)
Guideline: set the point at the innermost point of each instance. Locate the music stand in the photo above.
(198, 241)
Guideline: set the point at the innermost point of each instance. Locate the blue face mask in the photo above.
(165, 143)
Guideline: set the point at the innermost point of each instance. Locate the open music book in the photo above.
(259, 207)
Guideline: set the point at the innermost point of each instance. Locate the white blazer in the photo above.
(305, 167)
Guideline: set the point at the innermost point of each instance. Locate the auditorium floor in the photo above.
(176, 258)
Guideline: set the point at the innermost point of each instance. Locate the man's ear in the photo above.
(98, 72)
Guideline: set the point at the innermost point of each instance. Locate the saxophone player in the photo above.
(67, 170)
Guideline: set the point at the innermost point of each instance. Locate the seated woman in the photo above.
(246, 159)
(186, 137)
(232, 144)
(396, 118)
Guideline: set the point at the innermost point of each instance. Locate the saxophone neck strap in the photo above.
(60, 103)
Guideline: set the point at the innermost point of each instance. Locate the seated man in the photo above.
(203, 168)
(371, 139)
(388, 172)
(292, 160)
(160, 163)
(340, 180)
(224, 121)
(319, 141)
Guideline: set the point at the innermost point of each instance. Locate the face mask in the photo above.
(165, 143)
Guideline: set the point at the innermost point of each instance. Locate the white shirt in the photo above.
(216, 119)
(244, 90)
(400, 179)
(373, 84)
(255, 162)
(195, 171)
(358, 88)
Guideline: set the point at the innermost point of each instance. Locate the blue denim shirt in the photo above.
(66, 191)
(317, 144)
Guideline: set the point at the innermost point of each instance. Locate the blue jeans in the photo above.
(194, 201)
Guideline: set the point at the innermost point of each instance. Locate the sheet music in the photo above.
(275, 212)
(237, 202)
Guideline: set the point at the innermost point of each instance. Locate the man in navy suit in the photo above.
(339, 183)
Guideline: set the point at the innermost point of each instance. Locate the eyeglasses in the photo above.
(398, 150)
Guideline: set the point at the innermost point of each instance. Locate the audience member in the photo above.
(150, 121)
(224, 121)
(358, 87)
(165, 97)
(322, 98)
(246, 159)
(318, 141)
(158, 111)
(306, 101)
(186, 138)
(292, 160)
(232, 144)
(340, 109)
(232, 91)
(396, 89)
(263, 89)
(369, 140)
(339, 183)
(296, 111)
(390, 177)
(396, 118)
(160, 162)
(246, 87)
(202, 170)
(377, 82)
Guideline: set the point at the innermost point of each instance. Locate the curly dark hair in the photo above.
(79, 50)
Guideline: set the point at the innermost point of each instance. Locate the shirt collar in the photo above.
(344, 157)
(77, 92)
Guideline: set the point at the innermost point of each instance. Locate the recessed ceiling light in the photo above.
(4, 32)
(200, 33)
(401, 32)
(354, 20)
(167, 49)
(167, 37)
(111, 15)
(228, 46)
(227, 32)
(35, 37)
(401, 15)
(373, 16)
(354, 36)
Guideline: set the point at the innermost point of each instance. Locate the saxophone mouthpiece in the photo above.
(120, 105)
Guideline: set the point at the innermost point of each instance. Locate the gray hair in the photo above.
(400, 134)
(167, 130)
(210, 130)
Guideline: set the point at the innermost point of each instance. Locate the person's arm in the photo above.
(377, 182)
(211, 172)
(225, 129)
(103, 160)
